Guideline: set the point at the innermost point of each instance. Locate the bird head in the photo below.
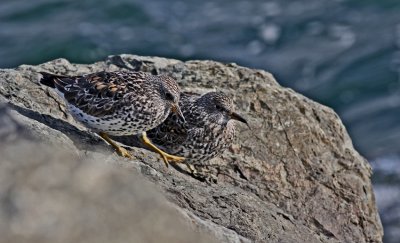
(170, 92)
(220, 108)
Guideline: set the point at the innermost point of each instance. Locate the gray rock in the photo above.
(51, 194)
(294, 177)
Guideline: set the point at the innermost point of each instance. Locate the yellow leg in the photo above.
(166, 157)
(120, 150)
(191, 168)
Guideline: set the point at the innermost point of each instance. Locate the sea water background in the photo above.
(342, 53)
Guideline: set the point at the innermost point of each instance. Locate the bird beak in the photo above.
(175, 109)
(238, 117)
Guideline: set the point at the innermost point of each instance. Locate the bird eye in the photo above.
(218, 107)
(169, 96)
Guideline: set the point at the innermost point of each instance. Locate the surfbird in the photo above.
(207, 132)
(120, 103)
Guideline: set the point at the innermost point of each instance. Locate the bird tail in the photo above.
(55, 81)
(47, 79)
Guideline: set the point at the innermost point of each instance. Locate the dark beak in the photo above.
(175, 109)
(238, 117)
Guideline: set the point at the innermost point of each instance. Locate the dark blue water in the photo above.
(342, 53)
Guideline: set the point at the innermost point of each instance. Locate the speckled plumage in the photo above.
(117, 103)
(208, 131)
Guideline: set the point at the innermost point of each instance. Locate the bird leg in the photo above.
(191, 168)
(120, 150)
(166, 157)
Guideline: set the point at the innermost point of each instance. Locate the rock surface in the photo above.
(50, 194)
(294, 177)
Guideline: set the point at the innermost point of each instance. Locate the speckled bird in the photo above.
(209, 128)
(119, 103)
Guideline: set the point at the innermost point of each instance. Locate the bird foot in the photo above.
(123, 152)
(167, 158)
(192, 170)
(120, 150)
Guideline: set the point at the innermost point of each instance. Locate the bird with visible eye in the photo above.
(120, 103)
(208, 131)
(218, 107)
(169, 96)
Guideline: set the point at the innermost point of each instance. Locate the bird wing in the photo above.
(98, 94)
(193, 113)
(173, 131)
